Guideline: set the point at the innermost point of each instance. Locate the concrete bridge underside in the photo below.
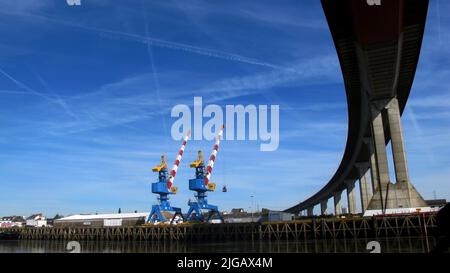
(378, 47)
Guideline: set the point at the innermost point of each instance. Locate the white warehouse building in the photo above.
(102, 220)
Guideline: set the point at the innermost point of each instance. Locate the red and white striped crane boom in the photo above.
(212, 158)
(173, 172)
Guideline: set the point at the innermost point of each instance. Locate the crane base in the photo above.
(156, 214)
(195, 212)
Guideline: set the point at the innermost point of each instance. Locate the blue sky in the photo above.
(86, 94)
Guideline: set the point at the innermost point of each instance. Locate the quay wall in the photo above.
(419, 225)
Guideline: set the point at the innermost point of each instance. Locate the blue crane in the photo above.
(201, 185)
(164, 188)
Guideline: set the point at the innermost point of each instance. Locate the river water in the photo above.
(391, 245)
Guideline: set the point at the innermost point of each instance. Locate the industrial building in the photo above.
(436, 203)
(102, 220)
(241, 216)
(139, 218)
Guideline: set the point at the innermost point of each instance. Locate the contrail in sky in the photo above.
(157, 42)
(57, 100)
(25, 87)
(154, 72)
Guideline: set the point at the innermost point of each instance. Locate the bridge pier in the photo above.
(337, 203)
(372, 163)
(310, 211)
(324, 207)
(379, 143)
(388, 195)
(365, 191)
(351, 196)
(397, 141)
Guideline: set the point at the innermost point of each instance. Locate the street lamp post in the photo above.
(251, 196)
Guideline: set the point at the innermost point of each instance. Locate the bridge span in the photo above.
(378, 47)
